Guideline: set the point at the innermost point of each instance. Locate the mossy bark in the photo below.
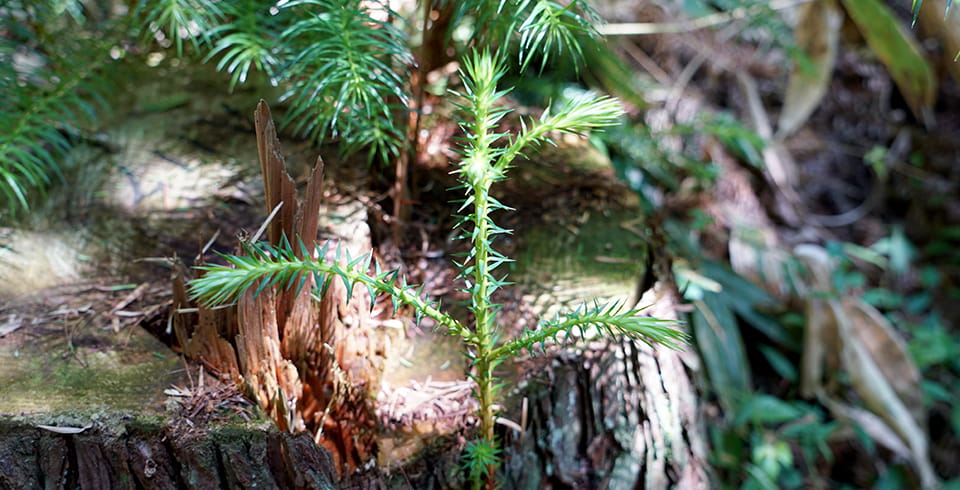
(126, 451)
(84, 406)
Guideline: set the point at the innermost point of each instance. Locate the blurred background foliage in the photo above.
(822, 288)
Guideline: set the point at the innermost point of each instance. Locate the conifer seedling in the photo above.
(488, 155)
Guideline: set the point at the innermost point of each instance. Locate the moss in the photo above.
(90, 370)
(598, 255)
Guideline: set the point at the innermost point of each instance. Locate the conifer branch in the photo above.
(266, 266)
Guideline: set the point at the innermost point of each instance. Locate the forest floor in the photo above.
(178, 176)
(178, 182)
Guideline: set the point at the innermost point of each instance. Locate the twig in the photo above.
(130, 298)
(266, 222)
(210, 243)
(680, 84)
(647, 63)
(646, 28)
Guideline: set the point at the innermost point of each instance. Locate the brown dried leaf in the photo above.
(873, 355)
(874, 426)
(817, 34)
(890, 351)
(877, 391)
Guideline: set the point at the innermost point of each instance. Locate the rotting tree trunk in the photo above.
(607, 414)
(610, 413)
(310, 367)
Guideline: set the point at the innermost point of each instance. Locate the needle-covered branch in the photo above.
(610, 319)
(265, 266)
(575, 116)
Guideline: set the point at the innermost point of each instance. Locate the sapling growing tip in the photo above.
(487, 157)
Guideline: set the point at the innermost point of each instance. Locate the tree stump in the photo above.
(312, 368)
(85, 406)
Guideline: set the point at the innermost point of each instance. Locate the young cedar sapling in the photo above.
(487, 157)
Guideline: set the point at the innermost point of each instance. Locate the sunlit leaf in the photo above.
(899, 51)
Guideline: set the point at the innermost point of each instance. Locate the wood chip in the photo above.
(64, 430)
(130, 298)
(128, 314)
(13, 323)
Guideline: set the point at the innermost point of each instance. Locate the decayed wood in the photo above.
(310, 366)
(272, 380)
(339, 409)
(277, 185)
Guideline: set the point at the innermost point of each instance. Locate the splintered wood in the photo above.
(310, 365)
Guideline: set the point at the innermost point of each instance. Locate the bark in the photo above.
(124, 451)
(612, 414)
(121, 412)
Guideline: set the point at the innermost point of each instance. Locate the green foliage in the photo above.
(173, 21)
(53, 83)
(893, 255)
(540, 27)
(280, 266)
(649, 160)
(769, 442)
(479, 456)
(247, 40)
(935, 349)
(552, 26)
(343, 64)
(487, 157)
(346, 70)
